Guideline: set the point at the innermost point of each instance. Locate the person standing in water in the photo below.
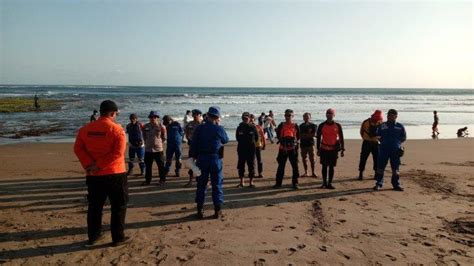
(434, 128)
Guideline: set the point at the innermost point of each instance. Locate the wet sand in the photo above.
(43, 213)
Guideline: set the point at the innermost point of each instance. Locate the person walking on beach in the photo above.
(93, 116)
(136, 145)
(273, 121)
(308, 133)
(154, 136)
(261, 119)
(391, 134)
(267, 126)
(100, 147)
(370, 143)
(434, 128)
(36, 102)
(329, 141)
(288, 134)
(246, 136)
(173, 144)
(207, 142)
(189, 131)
(259, 146)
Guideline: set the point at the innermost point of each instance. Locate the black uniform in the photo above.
(247, 137)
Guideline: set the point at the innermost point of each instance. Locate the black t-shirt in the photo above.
(305, 130)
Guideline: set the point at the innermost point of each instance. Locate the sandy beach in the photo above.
(43, 213)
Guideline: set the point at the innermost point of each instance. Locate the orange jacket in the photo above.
(102, 142)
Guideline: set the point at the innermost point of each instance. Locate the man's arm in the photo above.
(341, 137)
(404, 134)
(81, 152)
(223, 135)
(318, 136)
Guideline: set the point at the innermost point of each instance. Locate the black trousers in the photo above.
(99, 188)
(368, 147)
(159, 158)
(258, 154)
(246, 157)
(283, 156)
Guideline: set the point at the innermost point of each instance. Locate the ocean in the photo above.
(455, 106)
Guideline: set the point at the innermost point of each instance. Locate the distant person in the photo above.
(273, 124)
(154, 135)
(261, 119)
(93, 116)
(187, 118)
(462, 132)
(259, 146)
(370, 143)
(206, 147)
(173, 145)
(136, 145)
(329, 141)
(288, 134)
(189, 131)
(100, 148)
(267, 127)
(308, 133)
(391, 134)
(247, 137)
(435, 123)
(36, 102)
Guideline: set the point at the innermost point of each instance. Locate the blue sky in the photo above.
(238, 43)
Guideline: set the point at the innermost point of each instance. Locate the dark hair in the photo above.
(132, 116)
(393, 112)
(188, 111)
(107, 107)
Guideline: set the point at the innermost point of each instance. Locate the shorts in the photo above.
(328, 157)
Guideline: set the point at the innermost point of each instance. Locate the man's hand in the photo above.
(342, 153)
(92, 169)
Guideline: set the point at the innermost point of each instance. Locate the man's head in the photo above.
(306, 117)
(246, 117)
(196, 113)
(252, 118)
(188, 112)
(392, 115)
(435, 112)
(95, 112)
(133, 118)
(262, 114)
(377, 116)
(214, 114)
(330, 114)
(270, 113)
(109, 108)
(167, 120)
(154, 116)
(288, 115)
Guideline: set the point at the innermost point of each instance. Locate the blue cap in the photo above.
(153, 114)
(196, 111)
(215, 111)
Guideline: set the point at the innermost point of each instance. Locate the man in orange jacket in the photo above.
(100, 147)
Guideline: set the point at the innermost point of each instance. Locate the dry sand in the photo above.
(43, 211)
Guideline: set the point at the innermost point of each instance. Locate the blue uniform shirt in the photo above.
(208, 138)
(175, 133)
(392, 135)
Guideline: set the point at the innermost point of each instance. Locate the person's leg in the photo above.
(216, 182)
(382, 161)
(169, 158)
(258, 154)
(178, 164)
(97, 195)
(304, 153)
(160, 162)
(332, 162)
(324, 173)
(241, 167)
(330, 176)
(364, 154)
(395, 165)
(251, 166)
(141, 162)
(201, 186)
(375, 154)
(118, 195)
(312, 160)
(293, 157)
(149, 166)
(131, 159)
(281, 159)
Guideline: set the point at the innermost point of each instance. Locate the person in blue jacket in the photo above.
(391, 135)
(136, 145)
(207, 148)
(175, 135)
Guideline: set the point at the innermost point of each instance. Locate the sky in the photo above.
(324, 44)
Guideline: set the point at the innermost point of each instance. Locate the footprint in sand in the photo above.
(271, 251)
(260, 262)
(323, 248)
(343, 255)
(277, 228)
(392, 258)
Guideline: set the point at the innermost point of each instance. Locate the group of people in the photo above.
(101, 144)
